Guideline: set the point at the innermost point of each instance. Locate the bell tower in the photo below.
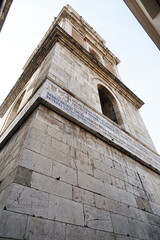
(76, 159)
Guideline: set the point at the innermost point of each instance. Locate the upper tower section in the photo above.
(73, 56)
(86, 36)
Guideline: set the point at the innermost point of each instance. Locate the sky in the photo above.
(28, 20)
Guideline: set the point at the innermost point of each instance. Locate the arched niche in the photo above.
(109, 105)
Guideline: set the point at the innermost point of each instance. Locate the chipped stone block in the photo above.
(12, 225)
(65, 210)
(97, 219)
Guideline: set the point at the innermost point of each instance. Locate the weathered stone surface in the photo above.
(37, 162)
(23, 176)
(97, 219)
(65, 210)
(28, 201)
(143, 204)
(90, 183)
(12, 225)
(50, 185)
(69, 172)
(65, 173)
(121, 225)
(139, 229)
(83, 196)
(104, 203)
(79, 233)
(42, 229)
(7, 180)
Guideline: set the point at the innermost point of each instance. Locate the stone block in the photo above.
(7, 180)
(102, 176)
(9, 168)
(97, 219)
(139, 229)
(153, 232)
(122, 209)
(104, 203)
(91, 183)
(12, 225)
(83, 196)
(37, 134)
(111, 192)
(155, 208)
(43, 229)
(121, 225)
(153, 219)
(54, 133)
(3, 197)
(85, 233)
(33, 145)
(36, 162)
(107, 157)
(28, 201)
(65, 210)
(23, 176)
(37, 123)
(79, 233)
(118, 183)
(143, 204)
(127, 198)
(65, 173)
(135, 213)
(50, 185)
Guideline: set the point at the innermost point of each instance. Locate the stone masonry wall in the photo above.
(71, 73)
(71, 185)
(9, 160)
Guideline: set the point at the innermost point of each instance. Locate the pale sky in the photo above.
(28, 20)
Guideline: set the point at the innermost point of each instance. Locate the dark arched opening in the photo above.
(108, 103)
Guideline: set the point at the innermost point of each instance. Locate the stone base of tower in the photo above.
(60, 181)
